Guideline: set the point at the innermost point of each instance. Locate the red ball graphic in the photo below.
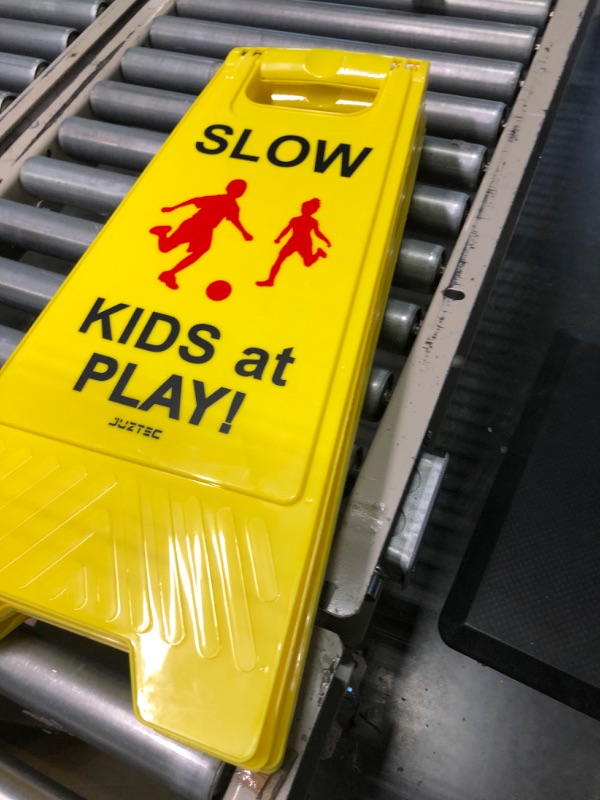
(218, 290)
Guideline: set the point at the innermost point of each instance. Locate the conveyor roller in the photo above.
(466, 75)
(428, 32)
(76, 14)
(521, 12)
(35, 38)
(17, 71)
(94, 703)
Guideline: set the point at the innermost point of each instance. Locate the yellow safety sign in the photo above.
(175, 428)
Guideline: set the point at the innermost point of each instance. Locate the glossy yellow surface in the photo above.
(175, 428)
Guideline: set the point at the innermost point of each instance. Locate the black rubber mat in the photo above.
(526, 599)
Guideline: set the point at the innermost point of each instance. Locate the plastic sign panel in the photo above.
(176, 426)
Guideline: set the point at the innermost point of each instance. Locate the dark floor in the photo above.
(433, 724)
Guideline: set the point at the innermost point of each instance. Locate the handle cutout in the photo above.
(318, 80)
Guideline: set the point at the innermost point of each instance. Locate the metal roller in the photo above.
(420, 265)
(9, 339)
(18, 781)
(133, 148)
(400, 326)
(94, 704)
(521, 12)
(469, 76)
(151, 108)
(467, 118)
(460, 163)
(45, 231)
(440, 210)
(146, 66)
(76, 14)
(34, 38)
(27, 287)
(105, 143)
(395, 28)
(6, 99)
(92, 189)
(379, 391)
(17, 72)
(101, 191)
(462, 117)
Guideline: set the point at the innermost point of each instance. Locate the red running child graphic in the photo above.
(300, 241)
(197, 230)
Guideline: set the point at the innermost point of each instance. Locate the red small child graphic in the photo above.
(300, 241)
(197, 230)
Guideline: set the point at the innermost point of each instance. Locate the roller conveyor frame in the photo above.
(384, 481)
(444, 337)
